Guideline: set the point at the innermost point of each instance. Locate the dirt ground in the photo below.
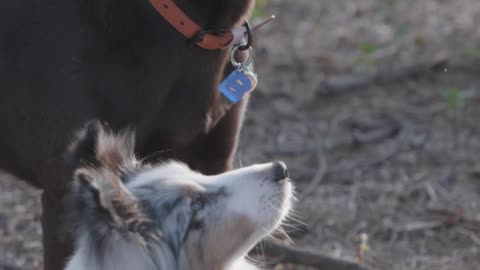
(393, 159)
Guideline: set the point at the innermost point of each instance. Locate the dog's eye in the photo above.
(199, 202)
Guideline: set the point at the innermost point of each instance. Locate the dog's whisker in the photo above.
(292, 215)
(285, 234)
(256, 262)
(153, 155)
(240, 159)
(290, 226)
(296, 220)
(263, 250)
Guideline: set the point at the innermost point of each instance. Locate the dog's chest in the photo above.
(184, 115)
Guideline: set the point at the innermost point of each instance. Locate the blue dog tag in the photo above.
(239, 82)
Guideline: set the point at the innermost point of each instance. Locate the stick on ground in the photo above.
(307, 257)
(345, 84)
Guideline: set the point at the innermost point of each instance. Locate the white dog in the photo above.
(130, 215)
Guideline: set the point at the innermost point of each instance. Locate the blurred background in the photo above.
(374, 106)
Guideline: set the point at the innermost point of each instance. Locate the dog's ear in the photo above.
(83, 148)
(100, 194)
(97, 146)
(100, 158)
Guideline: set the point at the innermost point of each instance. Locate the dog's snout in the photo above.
(280, 170)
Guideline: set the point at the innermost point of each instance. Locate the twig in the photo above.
(322, 169)
(419, 226)
(307, 257)
(452, 217)
(322, 165)
(374, 135)
(448, 218)
(475, 239)
(387, 155)
(263, 22)
(348, 166)
(343, 84)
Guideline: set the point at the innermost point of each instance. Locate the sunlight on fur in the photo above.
(130, 215)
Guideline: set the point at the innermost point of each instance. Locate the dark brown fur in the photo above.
(64, 62)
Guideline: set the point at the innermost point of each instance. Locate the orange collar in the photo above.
(210, 40)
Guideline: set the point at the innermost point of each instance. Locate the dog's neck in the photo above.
(130, 19)
(217, 14)
(124, 256)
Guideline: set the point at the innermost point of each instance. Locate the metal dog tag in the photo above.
(238, 83)
(242, 80)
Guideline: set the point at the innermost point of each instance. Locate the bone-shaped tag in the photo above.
(237, 84)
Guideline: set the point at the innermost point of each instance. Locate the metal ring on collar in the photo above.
(248, 45)
(247, 62)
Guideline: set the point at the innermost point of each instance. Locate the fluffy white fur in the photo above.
(168, 217)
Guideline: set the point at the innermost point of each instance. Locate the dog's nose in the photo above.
(280, 170)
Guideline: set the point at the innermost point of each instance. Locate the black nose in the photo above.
(280, 170)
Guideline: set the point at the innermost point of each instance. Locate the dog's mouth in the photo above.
(277, 205)
(280, 203)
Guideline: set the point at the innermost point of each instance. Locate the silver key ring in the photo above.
(240, 65)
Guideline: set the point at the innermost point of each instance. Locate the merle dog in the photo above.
(128, 214)
(64, 62)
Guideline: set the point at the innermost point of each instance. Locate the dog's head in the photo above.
(166, 216)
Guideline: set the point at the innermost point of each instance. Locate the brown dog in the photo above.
(64, 62)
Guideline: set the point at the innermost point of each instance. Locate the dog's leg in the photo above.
(213, 153)
(57, 243)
